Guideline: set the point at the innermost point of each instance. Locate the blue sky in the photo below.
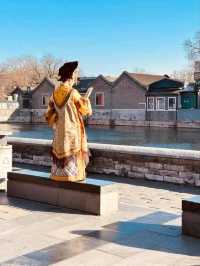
(106, 36)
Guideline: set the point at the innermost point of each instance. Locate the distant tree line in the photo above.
(28, 71)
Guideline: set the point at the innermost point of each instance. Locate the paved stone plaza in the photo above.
(145, 231)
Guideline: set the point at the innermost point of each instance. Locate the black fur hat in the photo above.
(65, 72)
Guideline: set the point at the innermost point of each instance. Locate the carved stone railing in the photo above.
(5, 158)
(160, 164)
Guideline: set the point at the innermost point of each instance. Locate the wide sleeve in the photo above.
(82, 103)
(51, 114)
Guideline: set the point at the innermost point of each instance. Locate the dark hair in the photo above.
(66, 71)
(65, 77)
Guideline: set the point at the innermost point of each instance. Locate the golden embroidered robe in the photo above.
(69, 148)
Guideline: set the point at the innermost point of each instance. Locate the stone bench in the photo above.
(93, 195)
(191, 216)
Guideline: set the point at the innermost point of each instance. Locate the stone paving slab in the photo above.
(152, 258)
(122, 251)
(16, 247)
(145, 231)
(91, 258)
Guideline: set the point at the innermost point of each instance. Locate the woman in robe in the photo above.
(65, 115)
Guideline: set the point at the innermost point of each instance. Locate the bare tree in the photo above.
(27, 71)
(185, 75)
(50, 65)
(192, 47)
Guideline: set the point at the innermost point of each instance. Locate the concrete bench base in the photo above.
(93, 195)
(191, 216)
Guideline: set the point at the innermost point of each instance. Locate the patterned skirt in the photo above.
(71, 168)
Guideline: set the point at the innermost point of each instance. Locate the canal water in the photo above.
(182, 138)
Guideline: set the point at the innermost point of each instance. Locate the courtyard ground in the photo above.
(145, 231)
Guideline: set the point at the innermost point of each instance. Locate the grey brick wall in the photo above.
(127, 94)
(161, 116)
(100, 85)
(45, 88)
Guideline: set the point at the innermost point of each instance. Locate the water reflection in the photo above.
(184, 138)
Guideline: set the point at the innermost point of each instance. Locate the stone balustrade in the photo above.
(161, 164)
(5, 158)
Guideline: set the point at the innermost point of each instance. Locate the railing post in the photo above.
(5, 159)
